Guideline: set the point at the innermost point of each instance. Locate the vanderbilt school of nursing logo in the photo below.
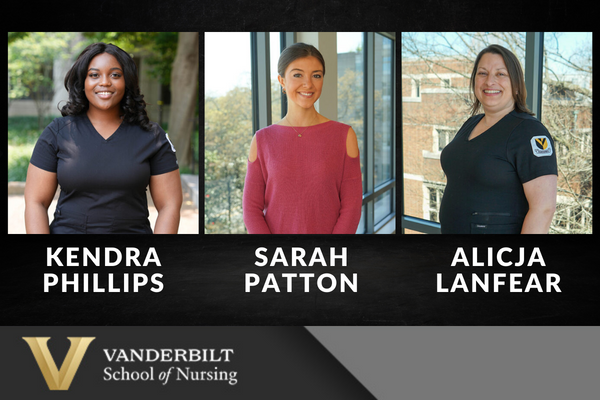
(55, 378)
(541, 146)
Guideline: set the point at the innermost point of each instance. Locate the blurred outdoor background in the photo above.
(168, 67)
(436, 68)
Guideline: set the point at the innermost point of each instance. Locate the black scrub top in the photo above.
(103, 181)
(485, 175)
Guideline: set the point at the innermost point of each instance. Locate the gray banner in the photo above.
(469, 362)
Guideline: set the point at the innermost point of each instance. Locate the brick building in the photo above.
(435, 103)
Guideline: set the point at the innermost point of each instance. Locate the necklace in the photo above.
(292, 126)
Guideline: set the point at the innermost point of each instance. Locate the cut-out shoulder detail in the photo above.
(253, 150)
(279, 187)
(351, 143)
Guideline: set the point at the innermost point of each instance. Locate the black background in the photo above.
(203, 275)
(203, 279)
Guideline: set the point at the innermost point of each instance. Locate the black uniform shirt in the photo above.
(103, 177)
(485, 175)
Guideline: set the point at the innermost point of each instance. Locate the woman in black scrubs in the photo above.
(501, 166)
(104, 152)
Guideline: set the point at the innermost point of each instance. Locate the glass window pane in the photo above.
(567, 114)
(227, 129)
(351, 86)
(383, 206)
(383, 109)
(361, 225)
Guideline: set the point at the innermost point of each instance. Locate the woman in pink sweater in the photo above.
(303, 171)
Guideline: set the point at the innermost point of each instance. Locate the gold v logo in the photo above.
(542, 143)
(58, 379)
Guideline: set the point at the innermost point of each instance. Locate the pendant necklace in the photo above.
(291, 126)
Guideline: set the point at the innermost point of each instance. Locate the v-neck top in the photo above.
(303, 181)
(103, 178)
(485, 175)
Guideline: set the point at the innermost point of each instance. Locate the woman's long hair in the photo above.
(515, 73)
(132, 106)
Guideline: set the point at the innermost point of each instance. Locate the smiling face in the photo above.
(104, 83)
(493, 87)
(303, 81)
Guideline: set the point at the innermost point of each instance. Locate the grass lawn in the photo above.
(23, 132)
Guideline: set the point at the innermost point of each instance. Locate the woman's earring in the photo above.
(283, 90)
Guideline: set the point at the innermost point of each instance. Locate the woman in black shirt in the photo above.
(501, 166)
(103, 153)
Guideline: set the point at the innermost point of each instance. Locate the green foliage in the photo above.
(351, 105)
(228, 133)
(159, 47)
(23, 132)
(30, 61)
(12, 36)
(351, 100)
(31, 55)
(18, 161)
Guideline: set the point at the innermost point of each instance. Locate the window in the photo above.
(567, 113)
(227, 129)
(433, 200)
(411, 89)
(441, 137)
(366, 100)
(351, 86)
(384, 132)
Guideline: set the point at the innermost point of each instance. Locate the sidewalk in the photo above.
(189, 223)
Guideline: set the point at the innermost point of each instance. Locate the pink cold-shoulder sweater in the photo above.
(306, 184)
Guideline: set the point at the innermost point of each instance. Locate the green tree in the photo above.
(228, 133)
(159, 48)
(31, 58)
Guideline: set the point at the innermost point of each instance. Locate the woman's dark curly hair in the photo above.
(133, 106)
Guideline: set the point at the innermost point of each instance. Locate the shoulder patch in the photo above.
(541, 146)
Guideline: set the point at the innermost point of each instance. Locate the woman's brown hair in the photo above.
(295, 51)
(515, 73)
